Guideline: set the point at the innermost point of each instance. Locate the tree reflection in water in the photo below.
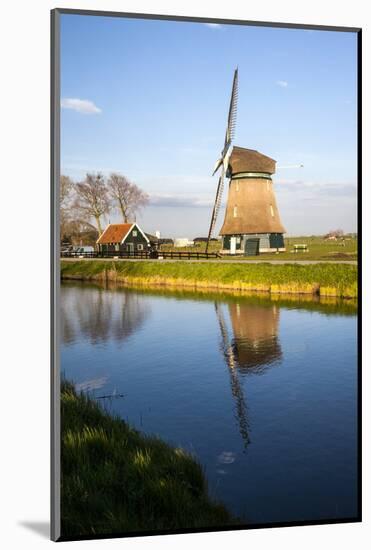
(100, 315)
(252, 349)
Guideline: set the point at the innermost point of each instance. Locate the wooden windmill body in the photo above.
(252, 223)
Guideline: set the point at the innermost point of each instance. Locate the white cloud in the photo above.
(213, 25)
(178, 200)
(84, 106)
(282, 83)
(318, 188)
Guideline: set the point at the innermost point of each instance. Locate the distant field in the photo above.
(318, 249)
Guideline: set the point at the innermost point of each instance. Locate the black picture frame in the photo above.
(55, 265)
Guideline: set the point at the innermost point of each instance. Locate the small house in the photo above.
(183, 241)
(198, 240)
(153, 240)
(166, 242)
(123, 237)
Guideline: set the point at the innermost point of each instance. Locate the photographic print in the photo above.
(206, 181)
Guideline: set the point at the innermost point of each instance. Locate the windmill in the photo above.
(224, 158)
(252, 222)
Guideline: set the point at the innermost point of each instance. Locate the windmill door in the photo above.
(233, 245)
(252, 247)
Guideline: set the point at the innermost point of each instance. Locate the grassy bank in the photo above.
(116, 480)
(324, 279)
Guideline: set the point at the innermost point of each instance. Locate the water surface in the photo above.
(262, 392)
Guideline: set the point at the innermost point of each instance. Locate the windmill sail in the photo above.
(232, 114)
(218, 198)
(223, 160)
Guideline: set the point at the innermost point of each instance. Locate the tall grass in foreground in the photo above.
(325, 279)
(117, 480)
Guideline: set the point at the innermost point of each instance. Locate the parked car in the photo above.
(83, 250)
(68, 250)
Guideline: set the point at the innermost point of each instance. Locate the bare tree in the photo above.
(65, 197)
(334, 234)
(92, 199)
(126, 196)
(81, 232)
(66, 186)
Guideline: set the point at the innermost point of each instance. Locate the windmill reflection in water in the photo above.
(252, 349)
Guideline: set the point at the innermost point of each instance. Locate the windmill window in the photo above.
(272, 211)
(235, 212)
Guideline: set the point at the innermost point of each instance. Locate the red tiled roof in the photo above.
(114, 233)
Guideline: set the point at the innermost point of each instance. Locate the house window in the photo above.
(272, 211)
(140, 247)
(235, 211)
(117, 247)
(135, 233)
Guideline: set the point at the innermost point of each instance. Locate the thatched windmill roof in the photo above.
(249, 160)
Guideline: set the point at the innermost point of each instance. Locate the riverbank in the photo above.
(339, 280)
(117, 480)
(307, 302)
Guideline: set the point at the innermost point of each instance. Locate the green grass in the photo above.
(318, 249)
(117, 480)
(326, 279)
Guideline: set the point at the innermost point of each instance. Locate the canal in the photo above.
(262, 392)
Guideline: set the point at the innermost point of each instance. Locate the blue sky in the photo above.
(150, 99)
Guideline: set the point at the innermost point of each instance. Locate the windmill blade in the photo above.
(224, 160)
(279, 166)
(231, 123)
(232, 113)
(218, 198)
(218, 164)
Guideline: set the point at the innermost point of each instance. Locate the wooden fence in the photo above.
(143, 255)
